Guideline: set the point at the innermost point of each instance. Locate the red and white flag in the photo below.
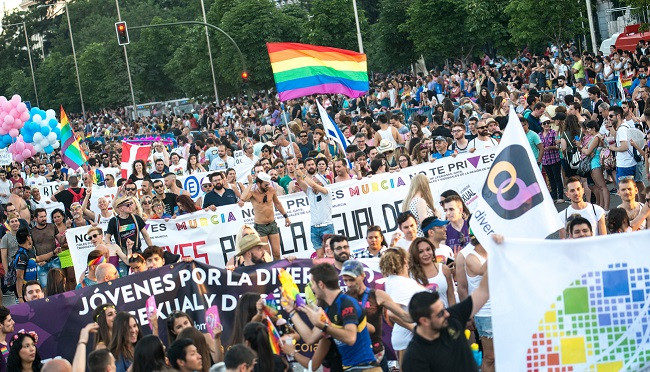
(131, 153)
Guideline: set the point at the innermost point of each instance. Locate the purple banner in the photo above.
(188, 287)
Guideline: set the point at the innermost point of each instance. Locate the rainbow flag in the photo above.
(71, 152)
(274, 336)
(301, 70)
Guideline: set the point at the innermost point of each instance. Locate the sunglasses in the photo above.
(158, 186)
(93, 236)
(131, 188)
(482, 127)
(129, 204)
(265, 199)
(18, 187)
(279, 166)
(147, 202)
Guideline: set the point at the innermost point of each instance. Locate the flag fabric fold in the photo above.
(71, 152)
(301, 70)
(331, 130)
(515, 200)
(274, 336)
(131, 153)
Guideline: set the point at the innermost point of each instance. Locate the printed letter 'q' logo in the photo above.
(511, 188)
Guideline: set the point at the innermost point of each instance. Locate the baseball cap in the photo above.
(431, 222)
(352, 268)
(440, 138)
(264, 176)
(643, 76)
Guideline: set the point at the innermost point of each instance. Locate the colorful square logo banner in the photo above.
(571, 305)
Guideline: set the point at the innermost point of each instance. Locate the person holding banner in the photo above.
(126, 226)
(320, 203)
(264, 198)
(594, 213)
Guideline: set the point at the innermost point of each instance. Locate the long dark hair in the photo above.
(201, 345)
(186, 204)
(13, 359)
(171, 336)
(120, 345)
(144, 168)
(258, 338)
(149, 355)
(104, 332)
(244, 312)
(415, 268)
(55, 282)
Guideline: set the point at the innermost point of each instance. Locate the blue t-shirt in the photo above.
(26, 260)
(212, 198)
(346, 310)
(437, 155)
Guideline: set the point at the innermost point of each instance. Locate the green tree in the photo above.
(56, 82)
(390, 48)
(189, 66)
(536, 22)
(103, 76)
(332, 24)
(253, 23)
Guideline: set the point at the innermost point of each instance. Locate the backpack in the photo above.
(573, 155)
(10, 277)
(77, 197)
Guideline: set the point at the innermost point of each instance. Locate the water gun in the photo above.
(289, 288)
(478, 356)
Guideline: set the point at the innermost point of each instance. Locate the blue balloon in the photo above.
(45, 130)
(53, 123)
(57, 130)
(33, 127)
(28, 137)
(48, 149)
(6, 140)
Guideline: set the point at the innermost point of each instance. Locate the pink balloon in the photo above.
(6, 106)
(19, 158)
(24, 116)
(16, 99)
(20, 146)
(9, 121)
(22, 107)
(26, 153)
(14, 132)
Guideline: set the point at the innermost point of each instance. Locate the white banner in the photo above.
(243, 166)
(5, 157)
(210, 236)
(575, 307)
(514, 199)
(50, 188)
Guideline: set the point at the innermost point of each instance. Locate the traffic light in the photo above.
(122, 33)
(244, 77)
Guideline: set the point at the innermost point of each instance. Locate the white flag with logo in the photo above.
(514, 201)
(331, 130)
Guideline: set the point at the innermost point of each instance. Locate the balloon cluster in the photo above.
(21, 150)
(13, 115)
(42, 130)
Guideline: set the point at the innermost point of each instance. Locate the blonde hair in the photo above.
(12, 215)
(95, 228)
(419, 183)
(392, 262)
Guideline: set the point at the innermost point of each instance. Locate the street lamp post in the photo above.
(207, 37)
(29, 54)
(356, 19)
(74, 53)
(128, 69)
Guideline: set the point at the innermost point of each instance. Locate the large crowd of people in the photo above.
(588, 145)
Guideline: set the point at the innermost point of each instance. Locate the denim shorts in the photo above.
(484, 326)
(625, 172)
(317, 234)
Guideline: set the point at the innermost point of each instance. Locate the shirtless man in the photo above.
(264, 197)
(341, 170)
(638, 213)
(16, 198)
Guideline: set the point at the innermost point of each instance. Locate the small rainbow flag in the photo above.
(71, 152)
(301, 70)
(274, 336)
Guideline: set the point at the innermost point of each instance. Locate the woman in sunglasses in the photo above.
(115, 254)
(147, 207)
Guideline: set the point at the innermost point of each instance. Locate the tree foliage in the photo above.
(536, 23)
(332, 24)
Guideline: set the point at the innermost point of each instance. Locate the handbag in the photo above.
(584, 166)
(573, 155)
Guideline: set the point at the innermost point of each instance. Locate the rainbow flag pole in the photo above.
(301, 70)
(71, 152)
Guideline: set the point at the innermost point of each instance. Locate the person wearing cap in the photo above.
(440, 145)
(372, 301)
(264, 197)
(435, 230)
(387, 149)
(251, 249)
(219, 195)
(640, 81)
(126, 226)
(483, 139)
(320, 205)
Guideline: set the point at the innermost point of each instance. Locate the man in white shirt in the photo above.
(35, 178)
(625, 163)
(593, 213)
(5, 187)
(408, 226)
(483, 140)
(562, 89)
